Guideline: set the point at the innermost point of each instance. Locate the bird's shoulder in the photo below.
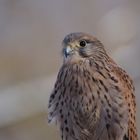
(122, 76)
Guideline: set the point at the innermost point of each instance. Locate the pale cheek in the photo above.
(75, 58)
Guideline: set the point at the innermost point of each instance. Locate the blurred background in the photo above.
(31, 32)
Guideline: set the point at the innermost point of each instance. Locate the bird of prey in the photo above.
(93, 98)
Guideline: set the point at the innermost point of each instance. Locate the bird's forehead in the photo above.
(76, 36)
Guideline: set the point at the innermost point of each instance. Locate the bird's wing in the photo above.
(120, 122)
(131, 103)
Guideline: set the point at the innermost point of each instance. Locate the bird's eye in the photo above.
(82, 43)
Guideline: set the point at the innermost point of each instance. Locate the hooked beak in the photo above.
(67, 51)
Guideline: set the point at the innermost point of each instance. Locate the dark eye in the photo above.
(82, 43)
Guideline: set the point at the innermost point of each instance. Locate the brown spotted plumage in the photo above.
(93, 98)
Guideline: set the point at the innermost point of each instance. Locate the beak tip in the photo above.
(67, 51)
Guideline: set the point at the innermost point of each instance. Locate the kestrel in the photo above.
(93, 98)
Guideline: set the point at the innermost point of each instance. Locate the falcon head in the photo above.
(81, 45)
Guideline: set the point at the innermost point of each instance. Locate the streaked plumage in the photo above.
(93, 98)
